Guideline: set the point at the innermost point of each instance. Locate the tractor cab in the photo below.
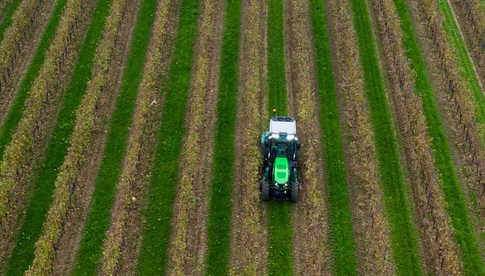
(280, 147)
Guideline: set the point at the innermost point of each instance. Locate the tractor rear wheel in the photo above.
(265, 190)
(294, 192)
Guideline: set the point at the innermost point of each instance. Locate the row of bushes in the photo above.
(135, 173)
(373, 235)
(249, 239)
(21, 154)
(89, 124)
(440, 255)
(26, 21)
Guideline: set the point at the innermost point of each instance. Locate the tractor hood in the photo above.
(281, 171)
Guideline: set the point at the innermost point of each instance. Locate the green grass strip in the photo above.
(220, 207)
(41, 200)
(466, 67)
(402, 233)
(17, 108)
(340, 218)
(156, 236)
(280, 253)
(98, 221)
(7, 14)
(456, 207)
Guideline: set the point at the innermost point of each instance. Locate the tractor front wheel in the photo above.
(265, 190)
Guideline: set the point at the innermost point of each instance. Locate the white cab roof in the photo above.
(282, 124)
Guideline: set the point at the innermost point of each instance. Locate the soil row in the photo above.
(73, 188)
(28, 143)
(18, 46)
(122, 242)
(439, 250)
(457, 111)
(370, 223)
(189, 235)
(312, 250)
(249, 248)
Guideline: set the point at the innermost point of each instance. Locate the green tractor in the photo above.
(280, 147)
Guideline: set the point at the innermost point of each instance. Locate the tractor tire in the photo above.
(265, 190)
(294, 192)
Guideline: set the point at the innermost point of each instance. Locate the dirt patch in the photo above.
(312, 252)
(249, 253)
(22, 63)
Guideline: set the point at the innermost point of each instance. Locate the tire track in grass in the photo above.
(249, 241)
(41, 199)
(156, 235)
(372, 231)
(6, 15)
(12, 118)
(280, 255)
(222, 180)
(403, 235)
(451, 186)
(97, 223)
(312, 238)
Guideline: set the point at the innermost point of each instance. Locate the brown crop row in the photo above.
(189, 232)
(25, 149)
(138, 160)
(440, 253)
(25, 22)
(249, 252)
(312, 252)
(469, 133)
(373, 232)
(471, 14)
(89, 123)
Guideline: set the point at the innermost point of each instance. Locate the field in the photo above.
(130, 136)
